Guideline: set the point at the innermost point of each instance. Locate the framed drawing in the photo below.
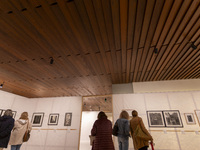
(68, 119)
(37, 119)
(53, 119)
(155, 119)
(1, 112)
(197, 113)
(172, 118)
(189, 117)
(14, 114)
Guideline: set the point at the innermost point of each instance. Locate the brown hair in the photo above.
(124, 114)
(134, 113)
(8, 112)
(101, 115)
(24, 116)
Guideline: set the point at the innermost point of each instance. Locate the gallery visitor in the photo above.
(6, 126)
(135, 123)
(102, 130)
(17, 134)
(123, 130)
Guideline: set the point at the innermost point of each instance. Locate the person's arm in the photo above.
(29, 127)
(8, 129)
(145, 130)
(131, 128)
(127, 128)
(94, 129)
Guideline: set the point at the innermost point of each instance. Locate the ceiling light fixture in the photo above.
(51, 60)
(193, 46)
(1, 85)
(155, 50)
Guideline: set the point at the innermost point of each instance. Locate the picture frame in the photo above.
(197, 113)
(53, 119)
(14, 114)
(1, 110)
(172, 118)
(37, 119)
(68, 119)
(155, 119)
(189, 117)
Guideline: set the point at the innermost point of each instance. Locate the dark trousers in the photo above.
(144, 148)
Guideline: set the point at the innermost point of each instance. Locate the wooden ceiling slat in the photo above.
(180, 57)
(179, 18)
(169, 53)
(116, 22)
(123, 24)
(128, 65)
(138, 26)
(131, 22)
(87, 25)
(91, 14)
(101, 21)
(147, 20)
(119, 59)
(152, 28)
(110, 64)
(186, 62)
(164, 14)
(194, 74)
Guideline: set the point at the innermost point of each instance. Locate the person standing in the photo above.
(102, 130)
(123, 130)
(6, 126)
(139, 144)
(20, 127)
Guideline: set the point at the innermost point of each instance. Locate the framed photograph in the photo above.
(172, 118)
(1, 112)
(189, 117)
(68, 119)
(155, 119)
(197, 113)
(37, 119)
(53, 119)
(14, 114)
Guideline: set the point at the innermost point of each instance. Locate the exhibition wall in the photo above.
(165, 138)
(48, 137)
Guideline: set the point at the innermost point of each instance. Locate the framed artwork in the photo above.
(53, 119)
(37, 119)
(189, 117)
(1, 112)
(172, 118)
(197, 113)
(68, 119)
(14, 114)
(155, 119)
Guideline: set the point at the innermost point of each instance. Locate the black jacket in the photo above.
(6, 126)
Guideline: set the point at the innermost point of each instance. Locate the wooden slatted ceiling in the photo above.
(95, 43)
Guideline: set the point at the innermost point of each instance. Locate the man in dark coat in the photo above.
(6, 126)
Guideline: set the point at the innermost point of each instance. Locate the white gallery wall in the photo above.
(47, 137)
(185, 101)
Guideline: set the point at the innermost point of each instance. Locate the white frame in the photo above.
(197, 113)
(192, 117)
(161, 119)
(175, 119)
(37, 124)
(56, 115)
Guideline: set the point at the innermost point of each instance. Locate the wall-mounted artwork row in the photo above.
(166, 118)
(2, 111)
(38, 117)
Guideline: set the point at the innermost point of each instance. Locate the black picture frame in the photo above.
(172, 118)
(68, 119)
(37, 119)
(14, 114)
(53, 119)
(155, 119)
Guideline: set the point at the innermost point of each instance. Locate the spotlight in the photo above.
(51, 60)
(193, 46)
(1, 85)
(155, 50)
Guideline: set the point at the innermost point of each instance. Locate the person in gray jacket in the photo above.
(123, 130)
